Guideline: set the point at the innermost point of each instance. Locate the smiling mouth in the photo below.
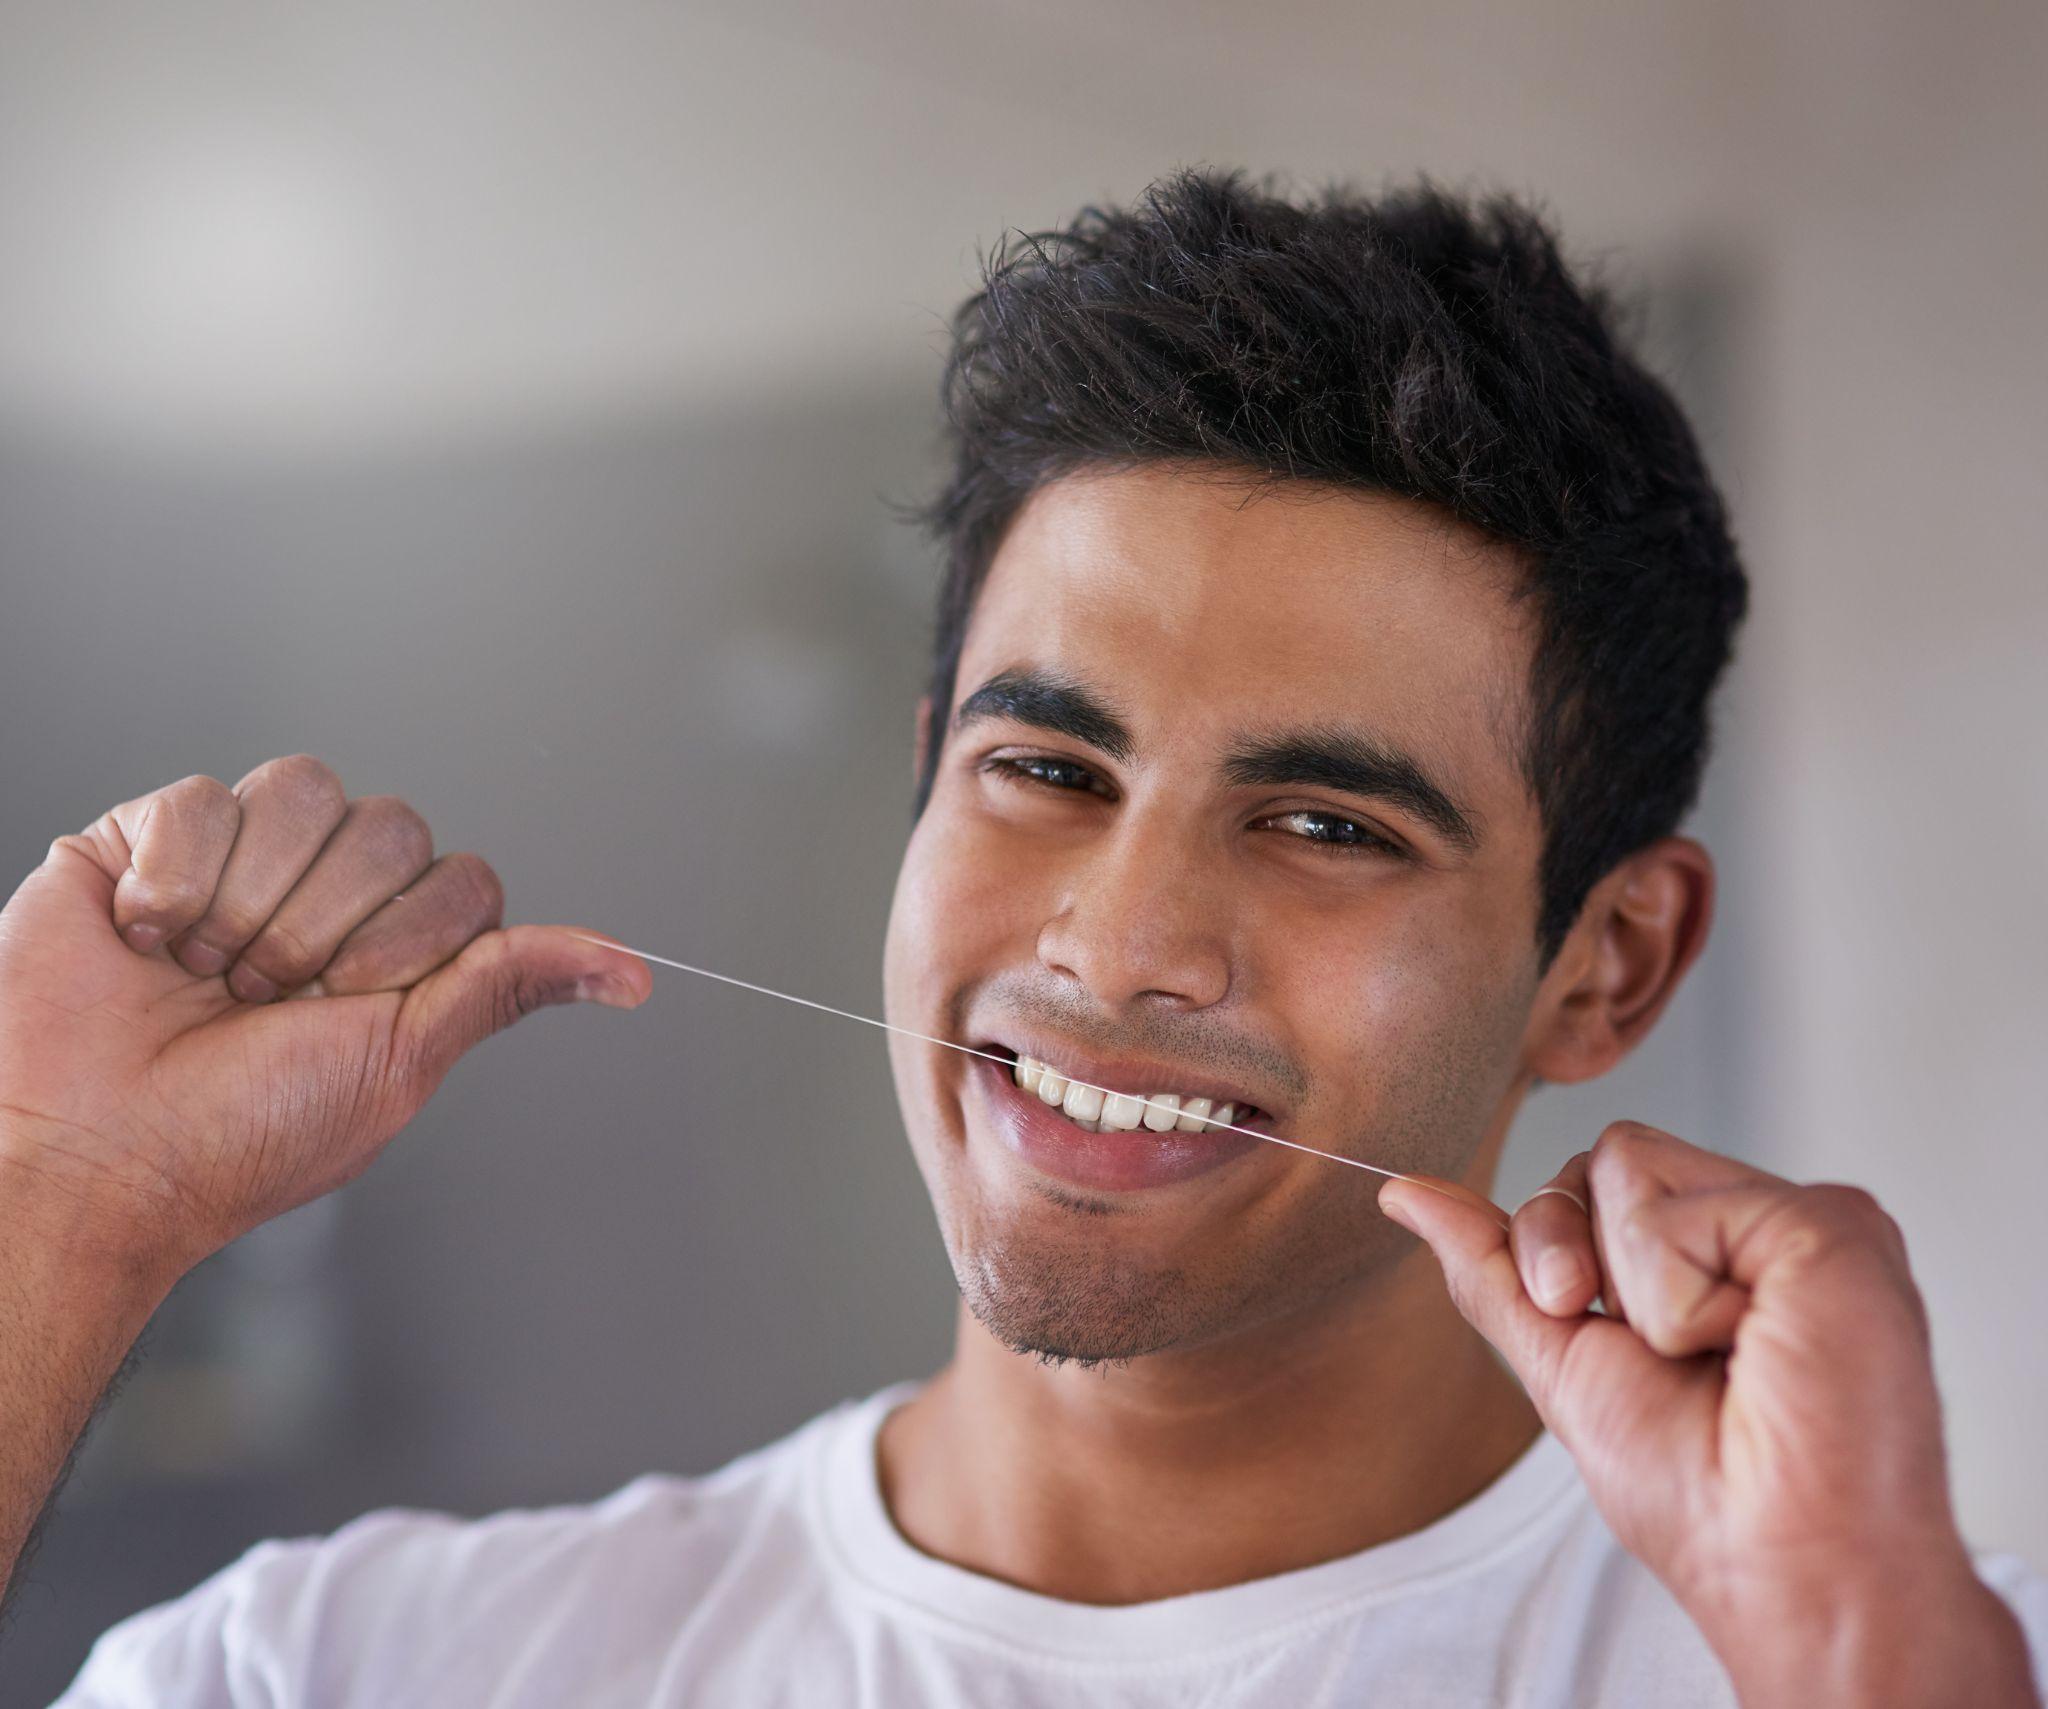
(1096, 1111)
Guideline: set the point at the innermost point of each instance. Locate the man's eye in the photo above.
(1039, 768)
(1330, 829)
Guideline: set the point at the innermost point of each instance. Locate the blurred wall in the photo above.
(501, 401)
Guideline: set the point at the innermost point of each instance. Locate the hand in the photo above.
(1755, 1416)
(155, 1101)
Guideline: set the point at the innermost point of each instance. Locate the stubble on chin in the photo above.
(1065, 1307)
(1077, 1297)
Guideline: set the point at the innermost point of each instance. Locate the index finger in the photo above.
(176, 841)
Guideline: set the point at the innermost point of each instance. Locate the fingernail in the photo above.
(1395, 1211)
(599, 988)
(1557, 1275)
(143, 938)
(202, 959)
(249, 985)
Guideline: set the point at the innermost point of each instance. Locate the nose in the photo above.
(1142, 919)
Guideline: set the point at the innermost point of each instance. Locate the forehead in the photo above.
(1202, 611)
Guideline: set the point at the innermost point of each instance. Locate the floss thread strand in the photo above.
(969, 1050)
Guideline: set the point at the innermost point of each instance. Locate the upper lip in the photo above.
(1136, 1077)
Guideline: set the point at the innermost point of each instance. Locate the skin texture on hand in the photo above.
(159, 1097)
(148, 1077)
(1754, 1412)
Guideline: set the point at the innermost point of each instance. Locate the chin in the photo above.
(1074, 1299)
(1105, 1289)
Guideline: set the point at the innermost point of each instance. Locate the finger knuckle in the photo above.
(515, 1000)
(228, 925)
(166, 902)
(1850, 1216)
(194, 806)
(396, 831)
(1621, 1150)
(482, 895)
(519, 993)
(1850, 1209)
(280, 953)
(308, 784)
(197, 793)
(1636, 1229)
(1622, 1135)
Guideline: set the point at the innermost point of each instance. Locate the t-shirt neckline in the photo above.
(860, 1541)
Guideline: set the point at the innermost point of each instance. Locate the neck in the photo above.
(1292, 1444)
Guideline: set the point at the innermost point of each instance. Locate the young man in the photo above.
(1330, 619)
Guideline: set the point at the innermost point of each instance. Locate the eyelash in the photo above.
(1028, 768)
(1031, 769)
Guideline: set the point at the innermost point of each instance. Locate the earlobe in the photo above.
(1642, 928)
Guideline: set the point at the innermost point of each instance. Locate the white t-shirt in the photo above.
(781, 1581)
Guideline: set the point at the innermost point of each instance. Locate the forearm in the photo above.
(1946, 1640)
(70, 1309)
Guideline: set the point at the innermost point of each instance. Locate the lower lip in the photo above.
(1113, 1162)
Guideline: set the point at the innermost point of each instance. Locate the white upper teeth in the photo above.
(1119, 1112)
(1083, 1103)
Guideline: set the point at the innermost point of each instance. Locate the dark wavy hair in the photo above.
(1416, 343)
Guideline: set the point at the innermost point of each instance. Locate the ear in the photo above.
(1641, 928)
(921, 740)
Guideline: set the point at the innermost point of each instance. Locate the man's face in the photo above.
(1228, 806)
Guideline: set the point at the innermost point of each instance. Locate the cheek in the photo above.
(1407, 1012)
(957, 918)
(963, 910)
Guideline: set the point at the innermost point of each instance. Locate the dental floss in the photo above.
(990, 1056)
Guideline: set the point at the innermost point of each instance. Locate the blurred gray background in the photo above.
(503, 403)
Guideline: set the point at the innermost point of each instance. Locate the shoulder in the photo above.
(375, 1611)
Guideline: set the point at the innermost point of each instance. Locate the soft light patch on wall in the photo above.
(234, 276)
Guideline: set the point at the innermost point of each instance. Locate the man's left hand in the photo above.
(1754, 1414)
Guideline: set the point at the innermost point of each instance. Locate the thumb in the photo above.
(1470, 1240)
(502, 977)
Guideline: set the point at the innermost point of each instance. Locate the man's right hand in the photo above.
(159, 1095)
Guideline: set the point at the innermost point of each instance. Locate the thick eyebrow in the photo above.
(1356, 764)
(1047, 702)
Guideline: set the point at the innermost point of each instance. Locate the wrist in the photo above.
(1928, 1636)
(62, 1242)
(74, 1295)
